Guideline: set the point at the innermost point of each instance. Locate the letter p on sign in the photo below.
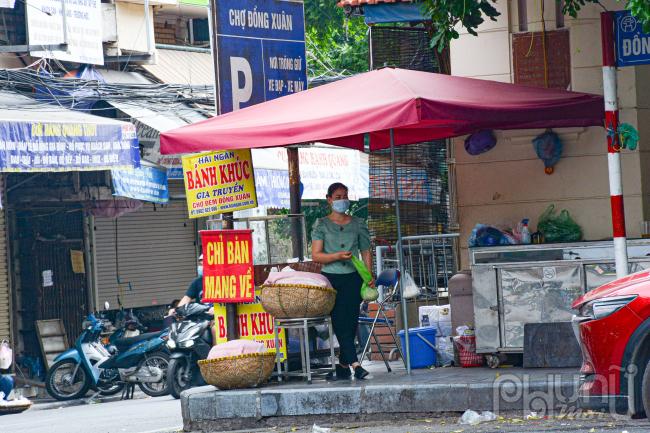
(241, 90)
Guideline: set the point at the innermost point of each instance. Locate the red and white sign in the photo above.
(227, 266)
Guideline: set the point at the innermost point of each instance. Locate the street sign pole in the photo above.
(607, 22)
(227, 218)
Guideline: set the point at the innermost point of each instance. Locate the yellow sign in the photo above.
(77, 259)
(254, 324)
(219, 182)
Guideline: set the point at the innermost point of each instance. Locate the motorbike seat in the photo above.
(125, 343)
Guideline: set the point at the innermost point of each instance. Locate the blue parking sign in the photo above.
(632, 44)
(261, 51)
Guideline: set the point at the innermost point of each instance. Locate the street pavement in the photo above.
(508, 424)
(162, 415)
(147, 415)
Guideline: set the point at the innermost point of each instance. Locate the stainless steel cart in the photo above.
(519, 284)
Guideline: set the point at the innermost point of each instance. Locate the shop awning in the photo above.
(151, 123)
(37, 136)
(399, 12)
(417, 106)
(152, 119)
(182, 67)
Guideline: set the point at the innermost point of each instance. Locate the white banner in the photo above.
(83, 24)
(320, 167)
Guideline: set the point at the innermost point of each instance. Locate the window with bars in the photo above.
(422, 171)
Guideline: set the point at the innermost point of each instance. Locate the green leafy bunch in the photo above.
(639, 8)
(448, 15)
(335, 44)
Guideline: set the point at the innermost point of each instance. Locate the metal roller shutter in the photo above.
(5, 299)
(157, 255)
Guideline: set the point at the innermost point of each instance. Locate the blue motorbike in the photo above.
(141, 360)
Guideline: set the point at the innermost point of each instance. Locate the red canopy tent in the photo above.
(392, 107)
(417, 106)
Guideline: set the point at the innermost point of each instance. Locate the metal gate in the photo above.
(50, 289)
(66, 297)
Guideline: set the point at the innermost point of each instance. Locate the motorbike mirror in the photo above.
(106, 305)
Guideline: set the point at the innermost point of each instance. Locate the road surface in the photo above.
(147, 415)
(163, 415)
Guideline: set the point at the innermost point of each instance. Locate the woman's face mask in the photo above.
(341, 206)
(199, 270)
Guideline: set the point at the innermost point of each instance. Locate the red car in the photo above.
(613, 325)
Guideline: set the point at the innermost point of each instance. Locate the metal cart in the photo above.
(519, 284)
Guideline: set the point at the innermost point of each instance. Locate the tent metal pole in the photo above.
(400, 254)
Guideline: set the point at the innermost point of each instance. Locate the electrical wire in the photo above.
(69, 92)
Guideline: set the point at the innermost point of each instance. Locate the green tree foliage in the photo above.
(446, 15)
(335, 45)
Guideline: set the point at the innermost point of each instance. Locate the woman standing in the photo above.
(335, 239)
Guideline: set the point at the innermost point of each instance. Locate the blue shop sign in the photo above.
(144, 183)
(272, 188)
(58, 146)
(632, 44)
(261, 48)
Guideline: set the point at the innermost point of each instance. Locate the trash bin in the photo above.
(422, 352)
(461, 301)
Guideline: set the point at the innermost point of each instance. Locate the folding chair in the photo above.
(388, 279)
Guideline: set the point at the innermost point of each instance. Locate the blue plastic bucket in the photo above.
(422, 354)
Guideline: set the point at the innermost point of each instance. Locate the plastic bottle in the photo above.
(525, 233)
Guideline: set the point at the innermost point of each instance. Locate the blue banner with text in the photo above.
(45, 146)
(144, 183)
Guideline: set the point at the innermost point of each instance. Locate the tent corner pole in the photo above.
(400, 254)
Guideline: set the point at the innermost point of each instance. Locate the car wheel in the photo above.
(645, 394)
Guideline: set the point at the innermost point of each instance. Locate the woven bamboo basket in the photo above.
(290, 301)
(235, 372)
(16, 408)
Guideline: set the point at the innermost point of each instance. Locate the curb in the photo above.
(206, 408)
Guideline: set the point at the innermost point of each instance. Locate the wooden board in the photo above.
(528, 59)
(52, 339)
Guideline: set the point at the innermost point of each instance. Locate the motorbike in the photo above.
(128, 326)
(190, 340)
(140, 360)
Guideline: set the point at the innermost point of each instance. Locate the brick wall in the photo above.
(165, 31)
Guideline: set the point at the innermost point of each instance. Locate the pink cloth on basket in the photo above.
(298, 277)
(235, 348)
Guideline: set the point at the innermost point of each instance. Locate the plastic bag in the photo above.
(473, 418)
(487, 236)
(236, 348)
(548, 147)
(409, 288)
(6, 355)
(368, 293)
(558, 227)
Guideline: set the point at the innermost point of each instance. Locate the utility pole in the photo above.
(295, 207)
(607, 22)
(227, 218)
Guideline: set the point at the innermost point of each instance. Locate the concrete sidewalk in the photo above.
(384, 395)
